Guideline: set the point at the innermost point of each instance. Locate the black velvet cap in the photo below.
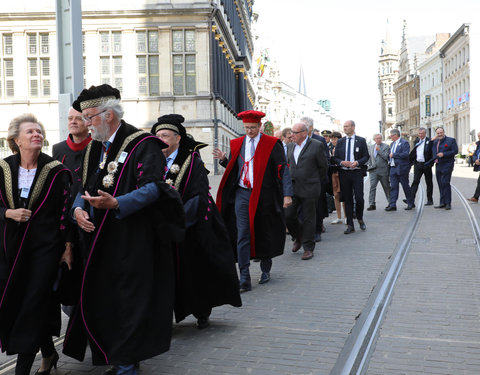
(172, 122)
(95, 96)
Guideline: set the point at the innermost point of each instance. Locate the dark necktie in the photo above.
(106, 146)
(348, 148)
(167, 168)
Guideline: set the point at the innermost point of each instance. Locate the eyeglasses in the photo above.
(89, 118)
(301, 131)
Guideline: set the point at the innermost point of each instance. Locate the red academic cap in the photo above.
(251, 116)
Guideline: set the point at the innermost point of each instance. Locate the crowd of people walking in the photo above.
(119, 225)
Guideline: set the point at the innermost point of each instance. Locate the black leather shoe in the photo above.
(448, 207)
(318, 237)
(349, 230)
(362, 225)
(245, 287)
(391, 208)
(429, 203)
(296, 246)
(371, 207)
(440, 206)
(265, 278)
(203, 323)
(410, 207)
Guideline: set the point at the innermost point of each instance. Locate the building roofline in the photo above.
(453, 38)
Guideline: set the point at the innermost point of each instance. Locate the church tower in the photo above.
(387, 75)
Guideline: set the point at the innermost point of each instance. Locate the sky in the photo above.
(337, 42)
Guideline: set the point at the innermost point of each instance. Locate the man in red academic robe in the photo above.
(255, 188)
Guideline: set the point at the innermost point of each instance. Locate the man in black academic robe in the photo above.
(128, 218)
(69, 152)
(206, 275)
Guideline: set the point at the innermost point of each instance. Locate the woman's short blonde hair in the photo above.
(14, 129)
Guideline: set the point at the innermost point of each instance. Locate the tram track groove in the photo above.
(354, 356)
(471, 217)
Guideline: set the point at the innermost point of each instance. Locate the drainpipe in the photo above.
(212, 92)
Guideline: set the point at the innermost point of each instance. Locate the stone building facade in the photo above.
(456, 63)
(191, 58)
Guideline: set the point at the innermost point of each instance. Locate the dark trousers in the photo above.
(242, 200)
(322, 209)
(477, 189)
(395, 180)
(25, 360)
(420, 170)
(351, 185)
(301, 220)
(443, 180)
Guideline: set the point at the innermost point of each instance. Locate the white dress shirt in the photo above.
(420, 150)
(394, 148)
(352, 148)
(298, 149)
(249, 159)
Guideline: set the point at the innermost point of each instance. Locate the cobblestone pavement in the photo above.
(299, 321)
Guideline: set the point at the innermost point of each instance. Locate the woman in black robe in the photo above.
(34, 193)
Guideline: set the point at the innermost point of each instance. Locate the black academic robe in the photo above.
(206, 275)
(126, 299)
(30, 254)
(70, 154)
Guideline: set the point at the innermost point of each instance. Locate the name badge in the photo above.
(24, 193)
(357, 149)
(122, 157)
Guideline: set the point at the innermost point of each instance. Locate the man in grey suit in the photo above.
(378, 169)
(308, 167)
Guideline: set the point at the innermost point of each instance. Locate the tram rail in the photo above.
(358, 348)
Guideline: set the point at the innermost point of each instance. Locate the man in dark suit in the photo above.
(399, 170)
(476, 168)
(322, 205)
(444, 150)
(308, 167)
(420, 154)
(327, 134)
(351, 153)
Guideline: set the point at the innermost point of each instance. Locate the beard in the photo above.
(101, 132)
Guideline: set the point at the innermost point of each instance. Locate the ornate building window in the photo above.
(183, 57)
(111, 63)
(148, 77)
(38, 64)
(6, 66)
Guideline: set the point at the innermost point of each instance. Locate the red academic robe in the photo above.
(267, 220)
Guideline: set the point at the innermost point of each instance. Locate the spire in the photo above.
(386, 48)
(404, 32)
(302, 89)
